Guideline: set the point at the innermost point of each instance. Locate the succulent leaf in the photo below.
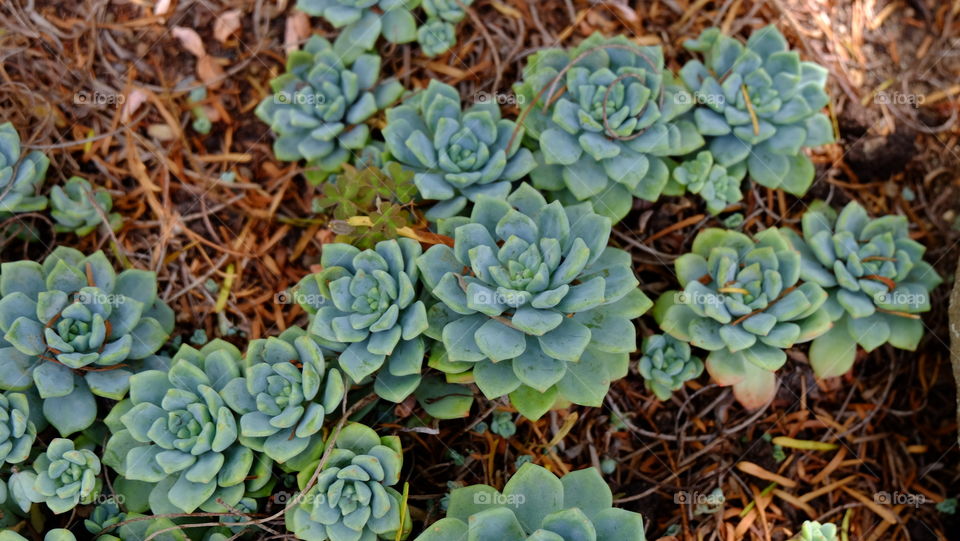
(20, 175)
(77, 207)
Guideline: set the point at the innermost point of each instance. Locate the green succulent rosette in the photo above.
(604, 115)
(176, 431)
(536, 505)
(320, 107)
(284, 395)
(759, 105)
(74, 212)
(63, 476)
(743, 300)
(353, 498)
(436, 37)
(532, 302)
(56, 534)
(876, 277)
(20, 175)
(366, 305)
(73, 328)
(447, 10)
(361, 22)
(455, 155)
(17, 430)
(667, 364)
(712, 182)
(812, 530)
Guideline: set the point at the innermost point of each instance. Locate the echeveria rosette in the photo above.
(533, 303)
(367, 306)
(456, 155)
(74, 212)
(72, 326)
(64, 476)
(812, 530)
(718, 187)
(584, 159)
(536, 505)
(743, 301)
(20, 176)
(667, 364)
(17, 430)
(876, 277)
(436, 37)
(361, 22)
(320, 106)
(177, 431)
(352, 499)
(759, 106)
(447, 10)
(285, 393)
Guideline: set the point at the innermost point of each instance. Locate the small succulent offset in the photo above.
(353, 498)
(537, 505)
(455, 155)
(876, 277)
(744, 302)
(439, 33)
(177, 431)
(361, 22)
(814, 531)
(20, 176)
(64, 476)
(365, 304)
(17, 431)
(77, 208)
(604, 114)
(320, 106)
(284, 395)
(760, 105)
(667, 364)
(700, 175)
(533, 301)
(71, 326)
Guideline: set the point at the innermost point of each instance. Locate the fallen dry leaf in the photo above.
(297, 30)
(190, 40)
(209, 70)
(226, 24)
(133, 102)
(161, 7)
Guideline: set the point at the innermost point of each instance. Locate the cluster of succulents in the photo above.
(63, 476)
(758, 105)
(455, 155)
(537, 505)
(20, 175)
(667, 364)
(877, 280)
(72, 328)
(532, 302)
(77, 208)
(700, 175)
(744, 301)
(321, 104)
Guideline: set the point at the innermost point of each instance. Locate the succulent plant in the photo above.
(533, 301)
(20, 176)
(436, 37)
(361, 22)
(812, 530)
(75, 207)
(364, 303)
(56, 534)
(104, 515)
(447, 10)
(604, 114)
(667, 364)
(72, 326)
(455, 155)
(759, 105)
(700, 175)
(17, 431)
(744, 302)
(64, 476)
(284, 395)
(875, 275)
(537, 505)
(352, 498)
(177, 431)
(320, 106)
